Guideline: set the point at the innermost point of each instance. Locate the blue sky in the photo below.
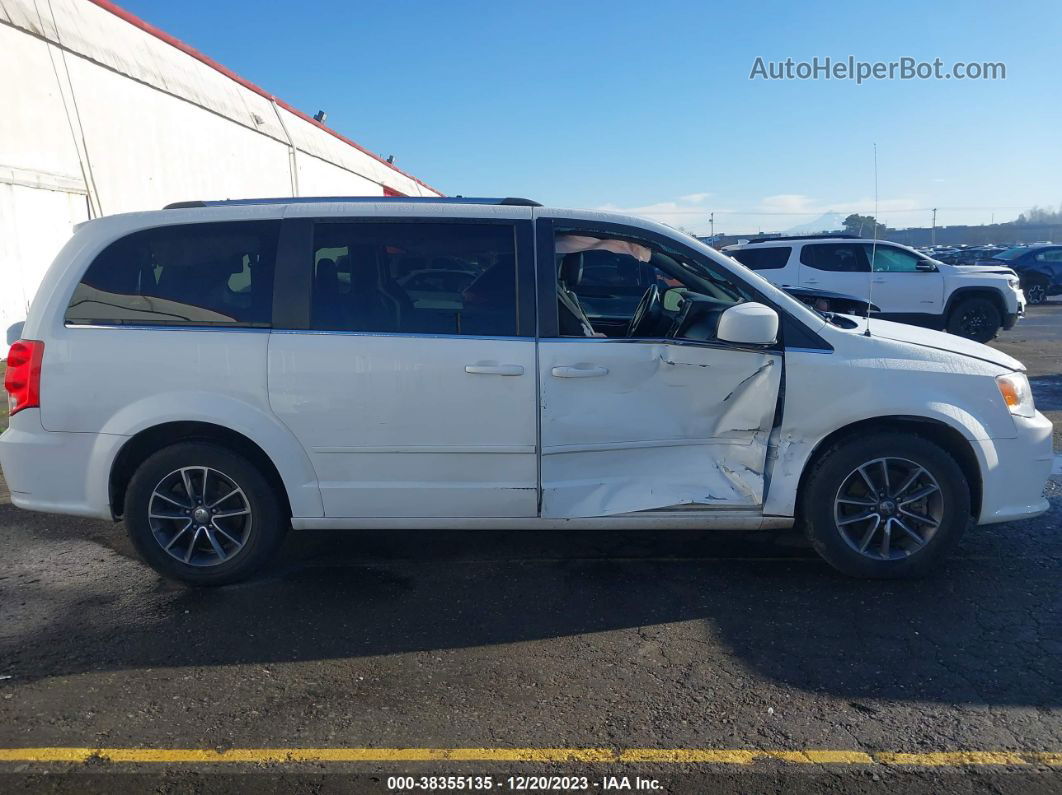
(648, 106)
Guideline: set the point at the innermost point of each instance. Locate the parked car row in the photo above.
(217, 373)
(1039, 267)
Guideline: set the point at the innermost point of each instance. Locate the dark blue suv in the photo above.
(1039, 266)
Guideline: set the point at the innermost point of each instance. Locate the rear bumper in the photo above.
(57, 472)
(1015, 470)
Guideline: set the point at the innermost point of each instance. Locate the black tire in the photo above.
(261, 531)
(975, 318)
(1035, 291)
(831, 471)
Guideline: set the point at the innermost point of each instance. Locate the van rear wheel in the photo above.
(888, 505)
(201, 514)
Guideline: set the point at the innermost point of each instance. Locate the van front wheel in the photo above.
(887, 505)
(199, 513)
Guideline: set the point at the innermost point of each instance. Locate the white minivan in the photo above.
(217, 372)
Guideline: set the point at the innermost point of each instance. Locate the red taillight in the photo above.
(23, 379)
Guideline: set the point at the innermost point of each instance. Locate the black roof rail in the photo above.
(769, 239)
(511, 201)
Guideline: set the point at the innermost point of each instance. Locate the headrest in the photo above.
(571, 270)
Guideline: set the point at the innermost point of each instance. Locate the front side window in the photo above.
(625, 287)
(763, 259)
(835, 257)
(1051, 255)
(892, 260)
(214, 274)
(415, 278)
(611, 284)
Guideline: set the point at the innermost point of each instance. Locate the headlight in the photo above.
(1017, 394)
(1013, 283)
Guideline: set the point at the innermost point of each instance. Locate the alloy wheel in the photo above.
(199, 516)
(1036, 293)
(888, 508)
(973, 322)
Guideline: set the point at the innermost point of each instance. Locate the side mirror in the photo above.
(925, 265)
(14, 332)
(748, 324)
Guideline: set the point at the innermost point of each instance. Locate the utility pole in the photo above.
(711, 223)
(933, 234)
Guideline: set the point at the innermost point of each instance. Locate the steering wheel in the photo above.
(647, 316)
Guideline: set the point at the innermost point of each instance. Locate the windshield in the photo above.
(1011, 253)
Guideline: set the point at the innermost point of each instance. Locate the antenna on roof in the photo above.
(873, 245)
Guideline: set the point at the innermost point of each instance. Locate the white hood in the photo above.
(937, 340)
(979, 270)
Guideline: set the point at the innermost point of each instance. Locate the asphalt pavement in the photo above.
(731, 662)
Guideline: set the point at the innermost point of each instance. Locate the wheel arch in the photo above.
(150, 440)
(961, 294)
(946, 436)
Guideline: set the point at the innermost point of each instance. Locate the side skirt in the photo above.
(647, 520)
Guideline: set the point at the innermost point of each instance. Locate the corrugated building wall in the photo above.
(101, 113)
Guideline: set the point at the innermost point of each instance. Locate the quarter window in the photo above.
(415, 278)
(763, 259)
(215, 274)
(837, 257)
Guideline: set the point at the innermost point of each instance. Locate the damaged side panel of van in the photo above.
(641, 425)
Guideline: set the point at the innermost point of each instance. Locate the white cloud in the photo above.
(680, 213)
(789, 203)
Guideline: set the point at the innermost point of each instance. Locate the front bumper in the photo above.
(1014, 471)
(1012, 317)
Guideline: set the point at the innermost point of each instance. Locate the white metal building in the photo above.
(102, 113)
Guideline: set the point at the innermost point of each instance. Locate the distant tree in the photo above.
(863, 225)
(1040, 215)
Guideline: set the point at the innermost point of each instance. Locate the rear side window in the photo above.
(837, 257)
(415, 278)
(763, 259)
(217, 274)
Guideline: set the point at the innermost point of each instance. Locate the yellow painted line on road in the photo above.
(952, 758)
(717, 756)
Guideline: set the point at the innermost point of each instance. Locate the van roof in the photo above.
(508, 201)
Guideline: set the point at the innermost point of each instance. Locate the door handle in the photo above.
(879, 280)
(579, 372)
(494, 369)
